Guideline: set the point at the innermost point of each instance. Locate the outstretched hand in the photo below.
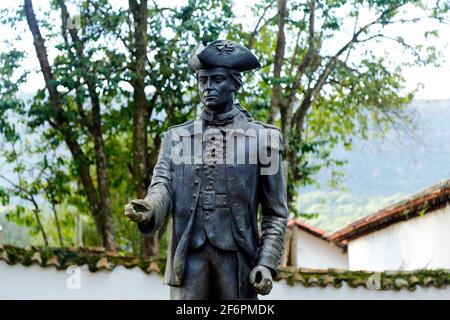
(139, 211)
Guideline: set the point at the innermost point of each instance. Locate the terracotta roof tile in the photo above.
(314, 231)
(308, 228)
(422, 203)
(62, 258)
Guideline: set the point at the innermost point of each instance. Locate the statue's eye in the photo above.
(218, 79)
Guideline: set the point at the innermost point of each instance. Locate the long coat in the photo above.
(175, 186)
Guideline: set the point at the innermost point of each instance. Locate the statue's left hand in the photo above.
(261, 279)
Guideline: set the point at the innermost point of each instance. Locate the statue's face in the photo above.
(216, 88)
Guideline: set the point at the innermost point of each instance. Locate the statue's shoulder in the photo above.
(275, 143)
(182, 129)
(183, 125)
(265, 125)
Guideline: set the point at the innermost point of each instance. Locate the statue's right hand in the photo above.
(139, 211)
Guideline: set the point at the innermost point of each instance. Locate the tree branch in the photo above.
(312, 92)
(311, 56)
(251, 39)
(279, 58)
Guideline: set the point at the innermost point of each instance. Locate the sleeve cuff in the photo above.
(269, 262)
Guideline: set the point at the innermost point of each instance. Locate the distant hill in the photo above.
(381, 172)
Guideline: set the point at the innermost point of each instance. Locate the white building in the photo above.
(71, 274)
(410, 235)
(308, 247)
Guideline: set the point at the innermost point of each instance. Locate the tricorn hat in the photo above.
(223, 53)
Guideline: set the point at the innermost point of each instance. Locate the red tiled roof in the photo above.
(308, 228)
(96, 260)
(420, 204)
(316, 232)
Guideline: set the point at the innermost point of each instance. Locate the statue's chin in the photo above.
(214, 107)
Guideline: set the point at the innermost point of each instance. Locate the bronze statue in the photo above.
(212, 175)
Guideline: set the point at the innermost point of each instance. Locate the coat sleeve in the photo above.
(274, 209)
(159, 193)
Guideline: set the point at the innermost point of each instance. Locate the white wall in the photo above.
(35, 282)
(422, 242)
(315, 253)
(282, 291)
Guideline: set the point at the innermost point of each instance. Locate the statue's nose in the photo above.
(208, 84)
(208, 89)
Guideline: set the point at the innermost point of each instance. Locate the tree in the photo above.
(59, 120)
(96, 88)
(322, 98)
(118, 78)
(156, 87)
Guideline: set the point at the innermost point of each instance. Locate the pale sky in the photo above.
(436, 81)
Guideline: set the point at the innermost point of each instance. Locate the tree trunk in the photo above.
(279, 59)
(95, 129)
(78, 231)
(41, 227)
(58, 225)
(277, 101)
(59, 121)
(36, 211)
(141, 115)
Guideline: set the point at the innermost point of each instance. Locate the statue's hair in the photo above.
(237, 77)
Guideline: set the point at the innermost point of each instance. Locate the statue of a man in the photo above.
(212, 175)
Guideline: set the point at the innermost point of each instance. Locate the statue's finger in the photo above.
(258, 285)
(138, 217)
(140, 204)
(129, 211)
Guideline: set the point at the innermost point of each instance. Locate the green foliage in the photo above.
(362, 95)
(364, 92)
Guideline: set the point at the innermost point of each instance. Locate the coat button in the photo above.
(194, 195)
(196, 181)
